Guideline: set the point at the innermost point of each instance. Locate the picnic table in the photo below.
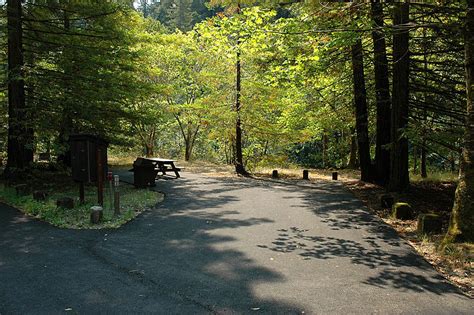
(164, 165)
(145, 170)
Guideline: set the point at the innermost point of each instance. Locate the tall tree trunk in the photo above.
(461, 226)
(20, 136)
(360, 99)
(382, 94)
(424, 173)
(399, 177)
(239, 161)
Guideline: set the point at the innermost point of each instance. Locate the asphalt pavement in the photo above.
(226, 246)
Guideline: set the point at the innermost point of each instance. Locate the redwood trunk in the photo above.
(382, 94)
(360, 99)
(399, 178)
(20, 136)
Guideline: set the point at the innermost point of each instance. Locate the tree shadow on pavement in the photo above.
(165, 261)
(175, 250)
(359, 237)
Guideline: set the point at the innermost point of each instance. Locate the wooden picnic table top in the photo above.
(159, 160)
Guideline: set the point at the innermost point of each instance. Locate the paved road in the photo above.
(223, 246)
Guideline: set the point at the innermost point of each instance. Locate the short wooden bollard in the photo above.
(96, 214)
(334, 175)
(305, 174)
(275, 174)
(116, 195)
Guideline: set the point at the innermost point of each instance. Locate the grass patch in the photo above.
(436, 177)
(132, 202)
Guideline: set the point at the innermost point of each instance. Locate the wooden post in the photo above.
(100, 178)
(305, 174)
(334, 175)
(116, 195)
(96, 214)
(81, 193)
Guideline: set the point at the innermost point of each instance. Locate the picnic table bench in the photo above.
(146, 170)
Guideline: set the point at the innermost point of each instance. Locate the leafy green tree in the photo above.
(75, 47)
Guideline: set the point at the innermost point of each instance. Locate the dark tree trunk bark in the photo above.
(424, 173)
(382, 93)
(20, 136)
(360, 99)
(239, 161)
(461, 226)
(399, 178)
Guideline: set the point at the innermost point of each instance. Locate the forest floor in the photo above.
(455, 263)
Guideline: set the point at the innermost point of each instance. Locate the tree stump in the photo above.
(40, 195)
(96, 214)
(429, 224)
(387, 201)
(306, 174)
(65, 202)
(275, 174)
(402, 211)
(334, 175)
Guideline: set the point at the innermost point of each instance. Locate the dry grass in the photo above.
(120, 161)
(314, 174)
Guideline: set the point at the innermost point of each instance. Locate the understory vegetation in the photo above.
(132, 202)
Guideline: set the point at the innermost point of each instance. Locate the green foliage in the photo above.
(101, 67)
